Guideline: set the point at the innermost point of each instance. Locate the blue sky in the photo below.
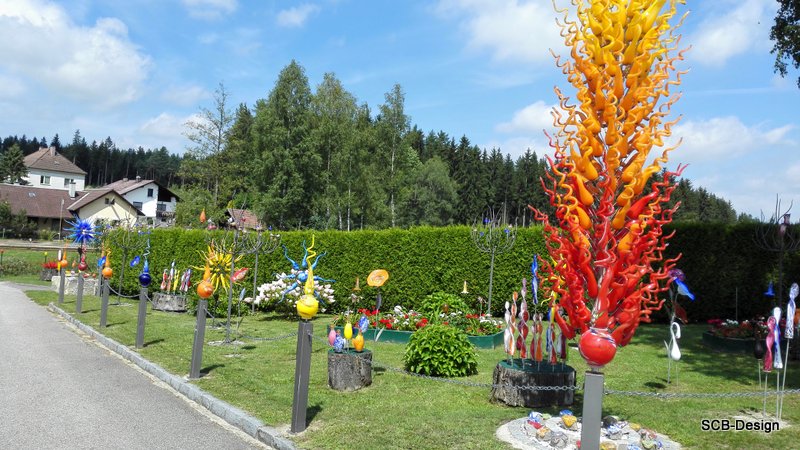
(137, 70)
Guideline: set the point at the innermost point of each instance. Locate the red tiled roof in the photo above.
(49, 159)
(244, 218)
(37, 202)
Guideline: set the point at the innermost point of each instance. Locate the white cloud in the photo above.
(532, 118)
(97, 65)
(732, 28)
(297, 16)
(511, 30)
(209, 9)
(724, 137)
(185, 95)
(11, 87)
(163, 130)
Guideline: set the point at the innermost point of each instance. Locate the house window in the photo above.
(137, 205)
(161, 206)
(109, 201)
(44, 180)
(150, 193)
(68, 181)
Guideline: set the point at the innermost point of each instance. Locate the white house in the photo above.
(48, 169)
(104, 205)
(155, 201)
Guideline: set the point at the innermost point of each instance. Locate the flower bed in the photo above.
(397, 325)
(402, 337)
(746, 329)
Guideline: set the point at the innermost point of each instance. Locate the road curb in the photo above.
(225, 411)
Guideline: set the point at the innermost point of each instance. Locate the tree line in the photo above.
(320, 159)
(102, 161)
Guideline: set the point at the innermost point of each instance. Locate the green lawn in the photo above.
(401, 411)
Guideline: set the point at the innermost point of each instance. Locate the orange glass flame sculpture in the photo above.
(107, 271)
(606, 233)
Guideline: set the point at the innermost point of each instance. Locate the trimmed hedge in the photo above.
(718, 260)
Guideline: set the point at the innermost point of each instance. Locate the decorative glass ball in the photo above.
(597, 347)
(145, 279)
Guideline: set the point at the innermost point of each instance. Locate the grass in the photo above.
(400, 411)
(25, 264)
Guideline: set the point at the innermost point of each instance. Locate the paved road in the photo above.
(58, 391)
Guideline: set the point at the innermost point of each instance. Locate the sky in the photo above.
(138, 70)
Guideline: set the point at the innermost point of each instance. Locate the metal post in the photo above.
(104, 304)
(491, 275)
(62, 273)
(592, 411)
(122, 275)
(142, 316)
(302, 371)
(79, 294)
(199, 339)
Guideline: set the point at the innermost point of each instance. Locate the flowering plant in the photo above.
(742, 330)
(50, 265)
(398, 319)
(271, 295)
(401, 319)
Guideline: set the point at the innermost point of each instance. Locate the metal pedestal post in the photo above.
(199, 339)
(301, 375)
(141, 318)
(104, 304)
(79, 294)
(61, 285)
(592, 411)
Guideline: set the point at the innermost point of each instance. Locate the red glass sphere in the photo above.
(597, 347)
(83, 266)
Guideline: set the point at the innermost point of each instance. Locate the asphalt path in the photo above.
(61, 391)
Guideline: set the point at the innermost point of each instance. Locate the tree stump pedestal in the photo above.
(169, 302)
(349, 370)
(508, 377)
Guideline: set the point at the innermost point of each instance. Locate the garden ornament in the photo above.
(673, 352)
(376, 279)
(304, 270)
(606, 238)
(308, 305)
(788, 334)
(82, 232)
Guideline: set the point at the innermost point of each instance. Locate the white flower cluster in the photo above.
(272, 293)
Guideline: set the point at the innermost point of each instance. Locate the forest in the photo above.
(304, 159)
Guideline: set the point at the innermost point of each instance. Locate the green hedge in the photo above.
(718, 260)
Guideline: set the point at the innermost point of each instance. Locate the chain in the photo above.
(666, 395)
(120, 295)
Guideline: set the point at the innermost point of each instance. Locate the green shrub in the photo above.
(46, 235)
(432, 306)
(440, 351)
(18, 267)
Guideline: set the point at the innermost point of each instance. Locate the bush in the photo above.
(18, 267)
(432, 306)
(440, 351)
(46, 235)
